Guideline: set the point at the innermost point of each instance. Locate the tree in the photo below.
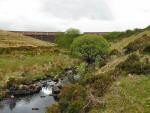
(73, 31)
(65, 39)
(89, 47)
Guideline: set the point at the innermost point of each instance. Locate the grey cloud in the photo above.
(76, 9)
(43, 28)
(26, 27)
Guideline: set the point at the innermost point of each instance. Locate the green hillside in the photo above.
(125, 41)
(121, 85)
(130, 92)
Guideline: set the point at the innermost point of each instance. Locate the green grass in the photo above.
(34, 66)
(110, 89)
(26, 59)
(130, 94)
(123, 94)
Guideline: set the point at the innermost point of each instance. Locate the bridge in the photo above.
(50, 36)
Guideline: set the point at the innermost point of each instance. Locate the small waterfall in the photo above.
(47, 90)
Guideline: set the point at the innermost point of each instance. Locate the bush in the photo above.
(72, 98)
(133, 65)
(101, 82)
(65, 39)
(138, 44)
(115, 52)
(53, 109)
(147, 49)
(75, 106)
(99, 62)
(81, 69)
(115, 36)
(88, 47)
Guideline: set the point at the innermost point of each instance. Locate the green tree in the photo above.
(65, 39)
(89, 47)
(73, 31)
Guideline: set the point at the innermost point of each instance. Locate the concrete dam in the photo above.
(49, 36)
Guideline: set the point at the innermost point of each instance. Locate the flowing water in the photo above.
(25, 104)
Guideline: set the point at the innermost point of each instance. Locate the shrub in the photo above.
(81, 69)
(72, 98)
(88, 47)
(133, 65)
(147, 49)
(99, 62)
(65, 39)
(75, 106)
(72, 92)
(115, 52)
(101, 82)
(53, 109)
(12, 82)
(138, 44)
(115, 36)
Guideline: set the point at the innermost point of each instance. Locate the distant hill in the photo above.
(10, 39)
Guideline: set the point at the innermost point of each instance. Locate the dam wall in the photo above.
(49, 36)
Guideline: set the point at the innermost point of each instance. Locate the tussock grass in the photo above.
(34, 67)
(127, 95)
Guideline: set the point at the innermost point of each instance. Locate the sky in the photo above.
(86, 15)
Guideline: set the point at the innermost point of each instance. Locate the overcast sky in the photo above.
(86, 15)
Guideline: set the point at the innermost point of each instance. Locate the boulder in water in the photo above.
(35, 108)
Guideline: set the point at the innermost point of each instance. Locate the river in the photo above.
(25, 104)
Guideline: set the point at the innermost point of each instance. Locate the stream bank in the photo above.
(37, 102)
(34, 98)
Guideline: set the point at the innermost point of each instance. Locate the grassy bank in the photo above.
(24, 60)
(127, 95)
(27, 68)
